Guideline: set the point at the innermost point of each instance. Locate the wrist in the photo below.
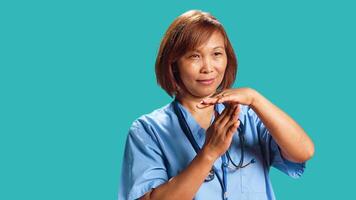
(207, 156)
(255, 96)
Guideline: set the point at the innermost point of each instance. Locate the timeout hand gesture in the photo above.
(219, 134)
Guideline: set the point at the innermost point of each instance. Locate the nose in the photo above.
(206, 66)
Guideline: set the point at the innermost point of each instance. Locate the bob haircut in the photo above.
(187, 32)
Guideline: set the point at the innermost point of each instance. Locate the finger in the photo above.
(237, 112)
(210, 101)
(227, 93)
(229, 116)
(226, 98)
(218, 94)
(214, 98)
(232, 129)
(234, 117)
(234, 124)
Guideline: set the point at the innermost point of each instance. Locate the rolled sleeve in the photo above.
(143, 165)
(272, 153)
(290, 168)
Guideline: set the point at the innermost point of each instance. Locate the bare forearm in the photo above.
(186, 184)
(291, 138)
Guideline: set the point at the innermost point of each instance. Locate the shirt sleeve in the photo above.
(143, 165)
(272, 153)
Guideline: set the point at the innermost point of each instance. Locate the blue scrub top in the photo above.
(157, 149)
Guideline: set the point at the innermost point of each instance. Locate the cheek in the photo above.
(221, 67)
(188, 70)
(187, 75)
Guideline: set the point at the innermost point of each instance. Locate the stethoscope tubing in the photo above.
(225, 158)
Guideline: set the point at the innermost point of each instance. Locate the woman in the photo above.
(212, 141)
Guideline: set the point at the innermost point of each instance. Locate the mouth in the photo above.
(206, 81)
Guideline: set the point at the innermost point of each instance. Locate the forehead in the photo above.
(214, 41)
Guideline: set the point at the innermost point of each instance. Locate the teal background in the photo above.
(75, 74)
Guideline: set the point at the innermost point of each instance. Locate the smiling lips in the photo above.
(206, 81)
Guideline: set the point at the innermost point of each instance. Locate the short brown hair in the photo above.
(188, 31)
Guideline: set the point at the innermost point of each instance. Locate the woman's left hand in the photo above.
(295, 144)
(243, 96)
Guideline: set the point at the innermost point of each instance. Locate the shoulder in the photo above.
(157, 119)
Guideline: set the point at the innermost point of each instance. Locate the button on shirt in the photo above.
(157, 149)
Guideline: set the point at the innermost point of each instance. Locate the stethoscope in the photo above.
(226, 158)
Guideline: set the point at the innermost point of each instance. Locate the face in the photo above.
(202, 70)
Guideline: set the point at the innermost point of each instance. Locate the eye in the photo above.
(194, 56)
(217, 54)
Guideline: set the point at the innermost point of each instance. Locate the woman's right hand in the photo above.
(217, 141)
(219, 134)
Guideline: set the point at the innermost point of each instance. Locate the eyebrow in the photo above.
(217, 47)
